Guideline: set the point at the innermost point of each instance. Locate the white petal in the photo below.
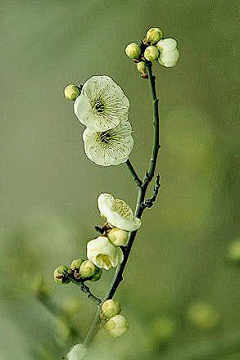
(118, 213)
(169, 58)
(115, 151)
(113, 104)
(167, 44)
(77, 352)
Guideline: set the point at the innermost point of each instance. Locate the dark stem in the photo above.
(140, 206)
(134, 174)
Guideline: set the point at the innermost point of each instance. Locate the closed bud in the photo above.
(154, 35)
(111, 308)
(87, 269)
(117, 326)
(75, 264)
(141, 67)
(97, 275)
(133, 51)
(118, 237)
(151, 53)
(61, 275)
(167, 44)
(169, 58)
(71, 92)
(203, 316)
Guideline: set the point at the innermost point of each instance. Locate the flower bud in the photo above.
(71, 92)
(133, 51)
(166, 44)
(234, 251)
(117, 326)
(154, 35)
(141, 67)
(118, 237)
(75, 264)
(60, 275)
(97, 275)
(87, 269)
(110, 308)
(151, 53)
(169, 58)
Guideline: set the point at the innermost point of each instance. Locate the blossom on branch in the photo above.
(117, 213)
(110, 147)
(103, 254)
(102, 104)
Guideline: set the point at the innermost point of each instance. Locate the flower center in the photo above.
(98, 106)
(105, 259)
(105, 137)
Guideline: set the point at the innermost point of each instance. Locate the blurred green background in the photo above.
(181, 293)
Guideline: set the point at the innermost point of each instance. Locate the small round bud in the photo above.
(118, 237)
(75, 264)
(133, 51)
(71, 92)
(141, 67)
(234, 251)
(111, 308)
(164, 329)
(117, 326)
(154, 35)
(97, 275)
(203, 316)
(151, 53)
(60, 275)
(87, 269)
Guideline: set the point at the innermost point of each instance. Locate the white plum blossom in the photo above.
(169, 53)
(103, 254)
(102, 104)
(117, 213)
(77, 352)
(117, 326)
(110, 147)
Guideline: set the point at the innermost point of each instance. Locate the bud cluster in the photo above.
(153, 47)
(115, 324)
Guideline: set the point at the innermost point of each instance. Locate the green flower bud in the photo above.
(133, 51)
(164, 329)
(118, 237)
(75, 264)
(151, 53)
(71, 92)
(141, 67)
(111, 308)
(234, 251)
(87, 269)
(154, 35)
(97, 275)
(117, 326)
(61, 275)
(203, 316)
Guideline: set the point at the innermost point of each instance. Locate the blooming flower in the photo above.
(117, 213)
(110, 147)
(102, 104)
(77, 352)
(169, 53)
(117, 326)
(103, 254)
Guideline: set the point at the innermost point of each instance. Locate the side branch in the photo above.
(86, 290)
(148, 203)
(134, 174)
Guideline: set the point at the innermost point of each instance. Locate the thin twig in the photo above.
(148, 203)
(134, 174)
(86, 290)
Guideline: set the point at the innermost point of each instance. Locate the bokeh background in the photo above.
(181, 291)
